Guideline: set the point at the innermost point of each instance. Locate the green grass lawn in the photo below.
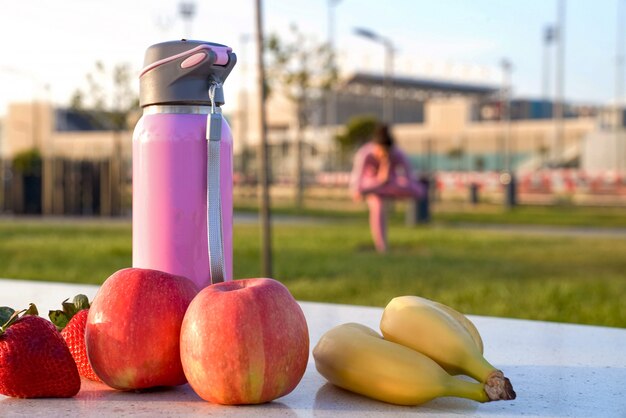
(451, 213)
(580, 280)
(564, 215)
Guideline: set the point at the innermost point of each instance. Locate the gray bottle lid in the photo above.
(180, 72)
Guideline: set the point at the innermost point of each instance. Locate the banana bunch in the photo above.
(424, 343)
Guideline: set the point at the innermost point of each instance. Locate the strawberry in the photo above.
(34, 360)
(71, 322)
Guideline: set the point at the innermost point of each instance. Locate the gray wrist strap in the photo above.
(213, 199)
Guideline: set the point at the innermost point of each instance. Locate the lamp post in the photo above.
(505, 117)
(331, 94)
(243, 105)
(331, 100)
(508, 176)
(187, 10)
(388, 74)
(559, 110)
(619, 85)
(548, 38)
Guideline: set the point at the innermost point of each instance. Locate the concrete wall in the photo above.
(604, 150)
(90, 145)
(448, 126)
(26, 126)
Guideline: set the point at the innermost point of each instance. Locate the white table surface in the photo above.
(557, 370)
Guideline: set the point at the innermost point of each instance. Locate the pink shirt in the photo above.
(366, 164)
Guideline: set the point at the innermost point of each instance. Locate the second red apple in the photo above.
(244, 342)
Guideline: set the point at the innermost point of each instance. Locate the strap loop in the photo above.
(214, 201)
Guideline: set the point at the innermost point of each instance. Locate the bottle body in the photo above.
(170, 193)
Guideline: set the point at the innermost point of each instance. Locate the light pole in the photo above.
(187, 10)
(331, 100)
(331, 95)
(619, 84)
(508, 176)
(559, 108)
(388, 75)
(505, 117)
(243, 104)
(548, 38)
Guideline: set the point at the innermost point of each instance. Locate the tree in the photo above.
(358, 131)
(109, 101)
(301, 69)
(28, 162)
(457, 153)
(109, 98)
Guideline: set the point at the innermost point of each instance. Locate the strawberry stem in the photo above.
(32, 310)
(60, 318)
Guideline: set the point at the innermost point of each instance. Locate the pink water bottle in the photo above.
(182, 163)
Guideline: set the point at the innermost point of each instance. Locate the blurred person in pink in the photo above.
(380, 172)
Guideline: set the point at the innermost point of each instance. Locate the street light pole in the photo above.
(506, 111)
(243, 105)
(388, 109)
(388, 95)
(508, 176)
(331, 95)
(187, 10)
(548, 37)
(331, 102)
(619, 85)
(559, 111)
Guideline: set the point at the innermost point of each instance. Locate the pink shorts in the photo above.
(396, 190)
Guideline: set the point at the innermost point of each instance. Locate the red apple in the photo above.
(244, 342)
(133, 329)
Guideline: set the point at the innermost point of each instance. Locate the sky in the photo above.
(48, 47)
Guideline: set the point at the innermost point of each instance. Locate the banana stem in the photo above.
(496, 388)
(499, 387)
(469, 390)
(479, 368)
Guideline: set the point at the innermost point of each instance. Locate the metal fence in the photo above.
(67, 187)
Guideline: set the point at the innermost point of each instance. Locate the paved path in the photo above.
(251, 219)
(551, 230)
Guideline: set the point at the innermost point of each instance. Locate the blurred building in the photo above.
(60, 161)
(442, 125)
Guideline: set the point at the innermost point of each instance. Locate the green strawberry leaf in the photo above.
(81, 302)
(69, 308)
(32, 310)
(59, 319)
(15, 315)
(5, 314)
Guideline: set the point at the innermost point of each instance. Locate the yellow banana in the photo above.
(462, 319)
(420, 325)
(357, 358)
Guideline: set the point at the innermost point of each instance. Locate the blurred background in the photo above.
(533, 88)
(511, 112)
